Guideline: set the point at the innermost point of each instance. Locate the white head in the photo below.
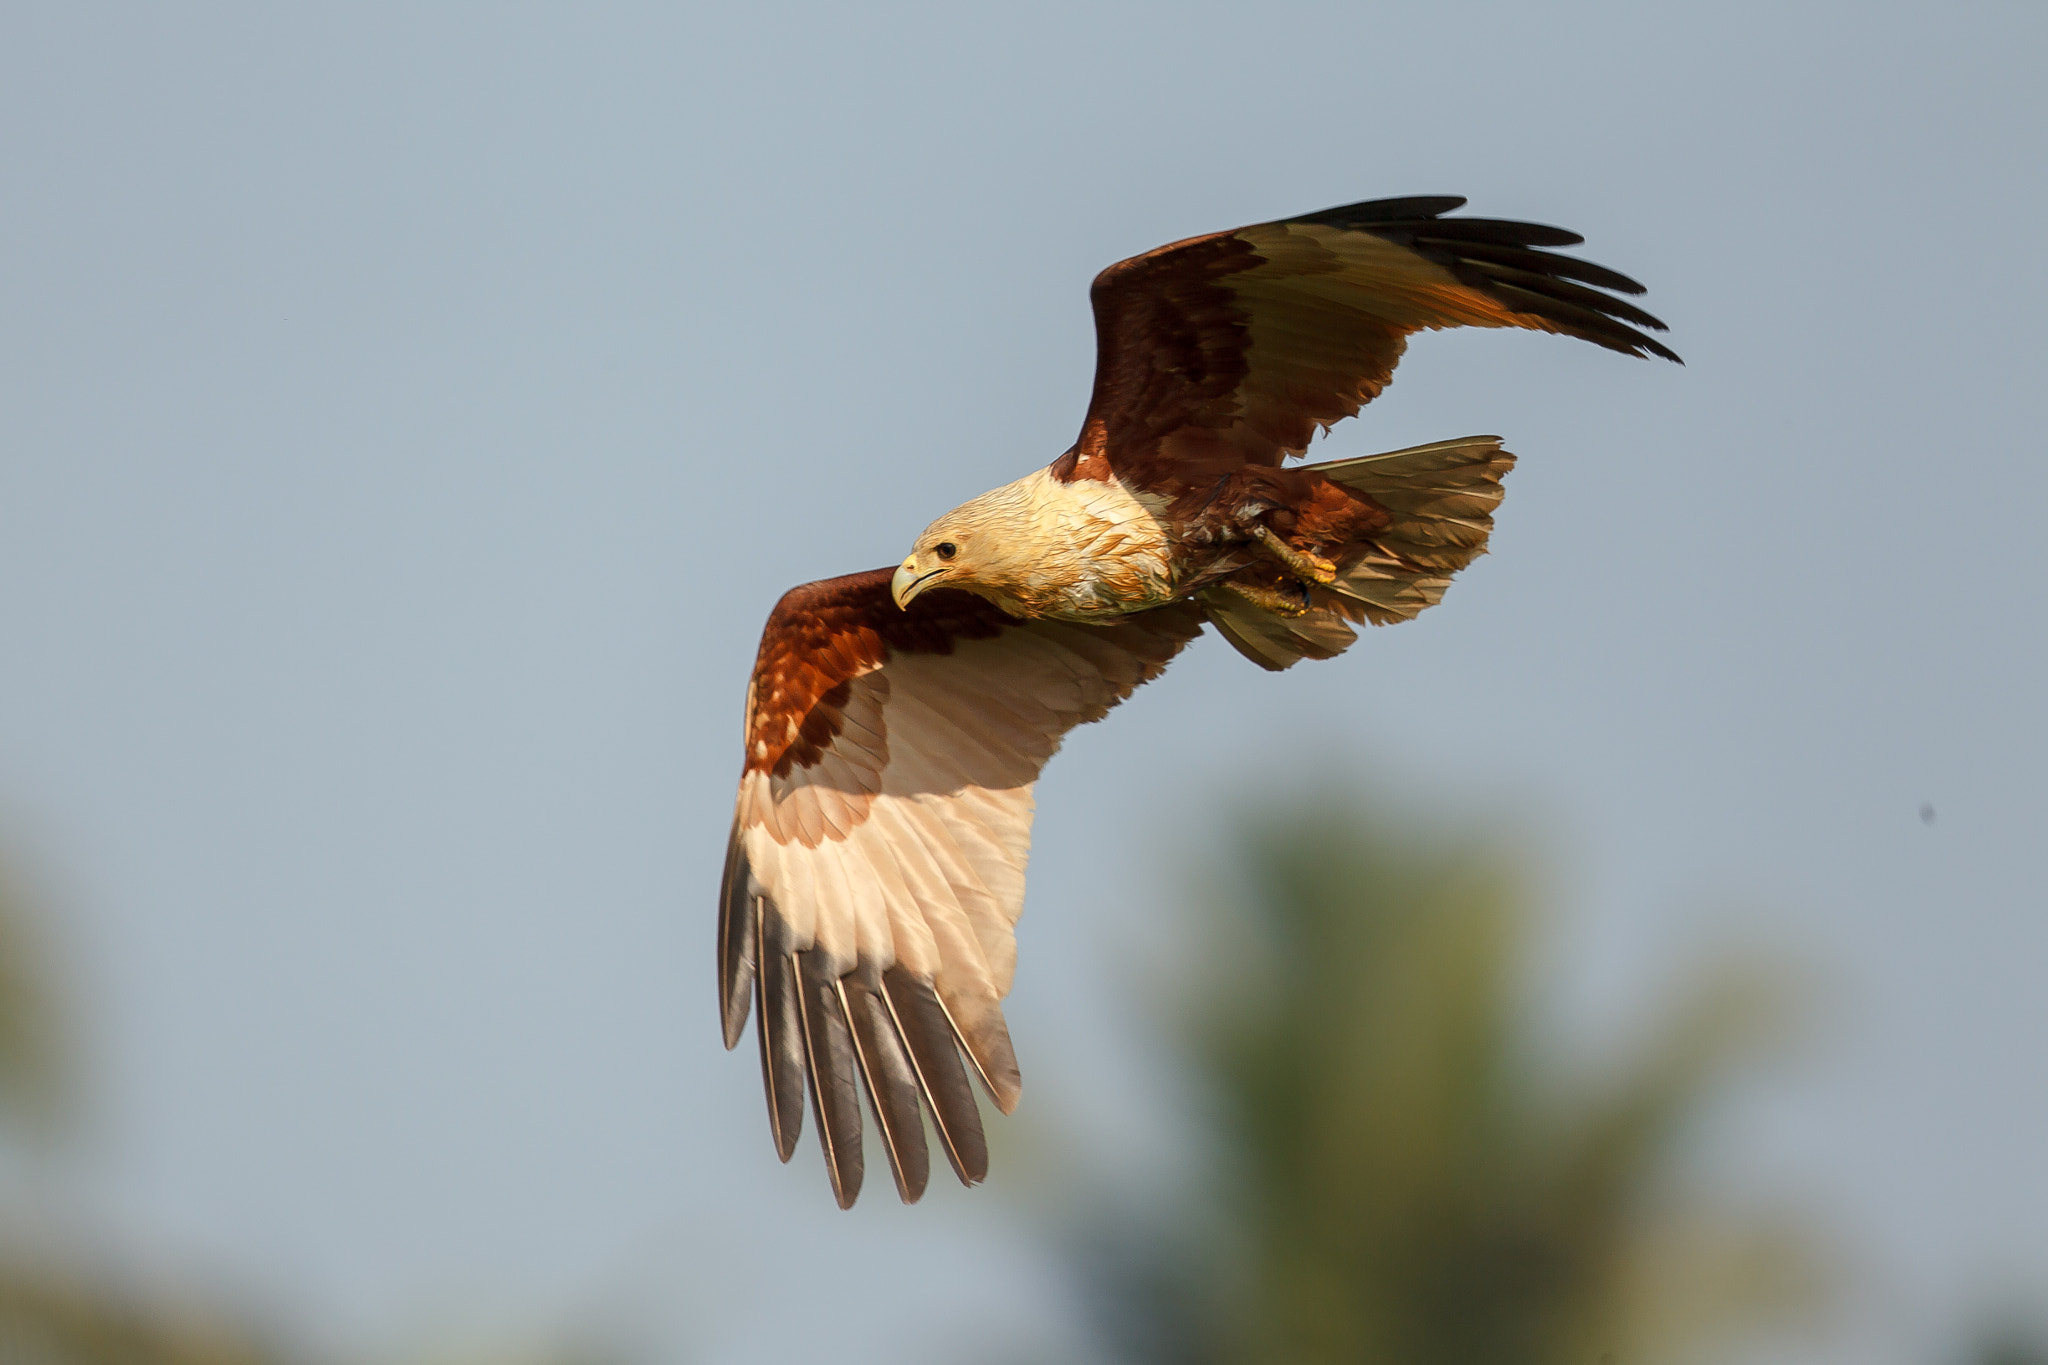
(989, 545)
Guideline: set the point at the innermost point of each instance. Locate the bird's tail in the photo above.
(1441, 497)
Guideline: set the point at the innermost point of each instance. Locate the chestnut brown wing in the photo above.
(1237, 347)
(876, 865)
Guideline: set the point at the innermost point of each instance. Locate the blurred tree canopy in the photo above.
(31, 1067)
(2010, 1343)
(50, 1314)
(57, 1311)
(1401, 1179)
(1405, 1182)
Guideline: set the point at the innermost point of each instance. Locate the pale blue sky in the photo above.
(410, 412)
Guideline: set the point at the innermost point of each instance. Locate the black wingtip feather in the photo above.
(737, 946)
(887, 1033)
(894, 1096)
(1584, 323)
(779, 1027)
(1534, 261)
(1496, 232)
(835, 1092)
(985, 1038)
(1483, 276)
(956, 1117)
(1374, 211)
(1505, 259)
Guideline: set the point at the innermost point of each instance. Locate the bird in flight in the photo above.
(898, 719)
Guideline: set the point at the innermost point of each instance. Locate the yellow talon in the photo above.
(1275, 600)
(1309, 568)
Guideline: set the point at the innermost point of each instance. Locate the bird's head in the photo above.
(983, 546)
(934, 559)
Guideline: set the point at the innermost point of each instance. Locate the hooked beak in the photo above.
(908, 582)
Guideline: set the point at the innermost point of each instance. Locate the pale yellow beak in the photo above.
(910, 580)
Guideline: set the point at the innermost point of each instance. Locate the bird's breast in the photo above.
(1099, 550)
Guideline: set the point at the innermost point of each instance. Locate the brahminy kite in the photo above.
(898, 719)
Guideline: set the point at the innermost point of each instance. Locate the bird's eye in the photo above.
(945, 549)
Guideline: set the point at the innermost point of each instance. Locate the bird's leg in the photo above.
(1303, 565)
(1276, 600)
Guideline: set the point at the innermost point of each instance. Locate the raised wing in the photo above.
(1237, 347)
(877, 859)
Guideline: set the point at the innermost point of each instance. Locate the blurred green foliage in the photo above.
(47, 1318)
(56, 1312)
(1407, 1181)
(31, 1064)
(2010, 1344)
(1404, 1179)
(52, 1315)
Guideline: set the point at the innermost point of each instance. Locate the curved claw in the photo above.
(1279, 601)
(1309, 568)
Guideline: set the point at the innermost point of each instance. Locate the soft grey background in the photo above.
(408, 414)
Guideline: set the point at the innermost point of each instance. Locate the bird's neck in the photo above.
(1079, 551)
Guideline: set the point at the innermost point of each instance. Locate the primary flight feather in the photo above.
(898, 719)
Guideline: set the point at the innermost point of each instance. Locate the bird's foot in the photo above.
(1307, 567)
(1290, 599)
